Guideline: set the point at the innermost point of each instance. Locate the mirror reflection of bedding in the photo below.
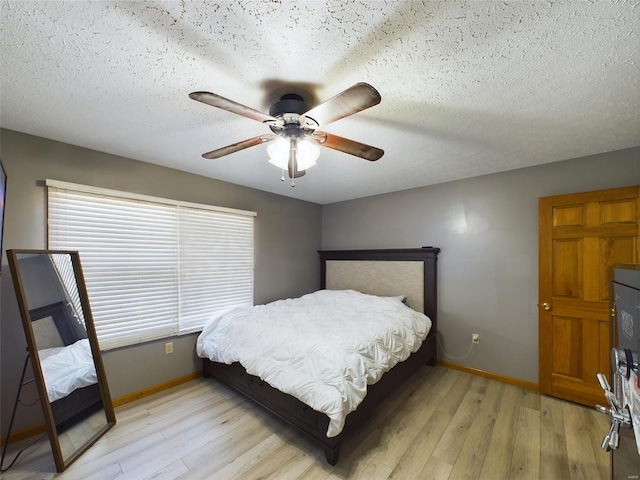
(323, 348)
(67, 368)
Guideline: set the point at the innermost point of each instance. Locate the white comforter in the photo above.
(66, 369)
(323, 348)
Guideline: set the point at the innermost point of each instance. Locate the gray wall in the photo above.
(287, 237)
(487, 228)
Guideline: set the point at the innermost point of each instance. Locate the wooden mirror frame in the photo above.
(60, 461)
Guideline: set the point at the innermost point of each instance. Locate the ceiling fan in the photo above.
(294, 127)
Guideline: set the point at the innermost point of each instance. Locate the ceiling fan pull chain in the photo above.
(281, 175)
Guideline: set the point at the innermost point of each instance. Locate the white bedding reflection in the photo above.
(66, 369)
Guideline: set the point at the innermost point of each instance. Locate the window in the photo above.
(153, 267)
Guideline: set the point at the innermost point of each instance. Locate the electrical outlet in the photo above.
(475, 338)
(168, 348)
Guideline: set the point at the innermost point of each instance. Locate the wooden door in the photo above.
(581, 236)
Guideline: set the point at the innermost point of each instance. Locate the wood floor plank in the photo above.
(468, 463)
(525, 463)
(406, 425)
(375, 470)
(420, 449)
(497, 462)
(436, 469)
(293, 467)
(207, 461)
(454, 436)
(492, 397)
(111, 472)
(551, 417)
(531, 399)
(235, 433)
(598, 422)
(554, 462)
(457, 391)
(177, 446)
(202, 419)
(83, 470)
(209, 428)
(553, 455)
(263, 458)
(166, 415)
(316, 471)
(580, 451)
(161, 467)
(440, 424)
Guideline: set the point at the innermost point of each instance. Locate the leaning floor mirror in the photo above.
(64, 351)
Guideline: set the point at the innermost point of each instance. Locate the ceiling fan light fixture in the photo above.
(308, 153)
(279, 151)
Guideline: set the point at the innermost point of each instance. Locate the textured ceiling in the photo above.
(468, 88)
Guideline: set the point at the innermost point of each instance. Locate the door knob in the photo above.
(546, 306)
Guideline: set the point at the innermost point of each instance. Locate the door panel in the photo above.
(567, 271)
(567, 216)
(622, 211)
(581, 237)
(614, 251)
(567, 331)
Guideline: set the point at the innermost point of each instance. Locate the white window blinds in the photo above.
(216, 264)
(64, 269)
(154, 267)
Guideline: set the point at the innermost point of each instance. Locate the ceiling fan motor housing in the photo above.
(290, 111)
(289, 103)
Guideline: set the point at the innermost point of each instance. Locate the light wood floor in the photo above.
(442, 424)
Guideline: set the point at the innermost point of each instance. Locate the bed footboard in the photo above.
(311, 422)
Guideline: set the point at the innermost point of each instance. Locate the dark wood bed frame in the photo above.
(314, 423)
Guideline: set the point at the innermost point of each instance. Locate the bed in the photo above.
(391, 275)
(66, 362)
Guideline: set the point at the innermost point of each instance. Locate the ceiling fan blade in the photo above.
(236, 147)
(348, 146)
(353, 100)
(231, 106)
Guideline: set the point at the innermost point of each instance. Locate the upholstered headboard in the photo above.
(411, 272)
(53, 326)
